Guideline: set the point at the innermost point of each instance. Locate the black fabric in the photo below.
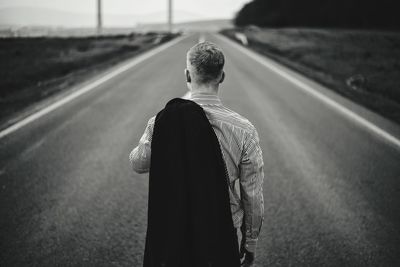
(189, 216)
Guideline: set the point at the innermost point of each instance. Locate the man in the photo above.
(238, 140)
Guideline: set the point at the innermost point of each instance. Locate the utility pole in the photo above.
(99, 18)
(170, 15)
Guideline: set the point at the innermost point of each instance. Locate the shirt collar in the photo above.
(205, 98)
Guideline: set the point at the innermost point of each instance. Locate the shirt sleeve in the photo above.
(251, 190)
(140, 155)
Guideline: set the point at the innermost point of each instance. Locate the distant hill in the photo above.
(35, 31)
(33, 16)
(192, 26)
(38, 31)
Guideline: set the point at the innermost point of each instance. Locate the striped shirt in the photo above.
(240, 147)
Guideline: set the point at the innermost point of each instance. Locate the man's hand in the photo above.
(245, 255)
(248, 258)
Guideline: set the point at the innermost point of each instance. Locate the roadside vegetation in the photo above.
(361, 65)
(33, 69)
(350, 46)
(355, 14)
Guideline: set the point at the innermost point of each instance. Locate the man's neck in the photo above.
(205, 90)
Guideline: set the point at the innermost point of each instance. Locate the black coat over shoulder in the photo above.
(189, 217)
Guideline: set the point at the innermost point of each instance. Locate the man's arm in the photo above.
(251, 191)
(140, 155)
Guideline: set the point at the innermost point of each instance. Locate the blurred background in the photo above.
(47, 17)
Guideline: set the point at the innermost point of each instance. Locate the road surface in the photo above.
(69, 198)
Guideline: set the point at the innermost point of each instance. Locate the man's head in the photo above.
(205, 63)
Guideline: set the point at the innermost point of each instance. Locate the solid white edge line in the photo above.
(136, 60)
(307, 88)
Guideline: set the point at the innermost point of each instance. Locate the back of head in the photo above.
(205, 62)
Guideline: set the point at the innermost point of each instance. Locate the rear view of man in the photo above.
(238, 140)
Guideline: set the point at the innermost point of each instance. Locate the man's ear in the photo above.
(188, 78)
(222, 77)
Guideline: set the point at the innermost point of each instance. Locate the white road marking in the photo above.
(242, 38)
(313, 92)
(202, 38)
(88, 87)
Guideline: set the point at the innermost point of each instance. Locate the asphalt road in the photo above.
(69, 198)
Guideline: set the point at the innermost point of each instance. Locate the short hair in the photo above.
(207, 61)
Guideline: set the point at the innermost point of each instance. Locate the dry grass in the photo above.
(361, 65)
(32, 69)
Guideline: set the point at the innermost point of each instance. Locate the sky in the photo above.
(184, 9)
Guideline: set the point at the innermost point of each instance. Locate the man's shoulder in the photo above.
(230, 117)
